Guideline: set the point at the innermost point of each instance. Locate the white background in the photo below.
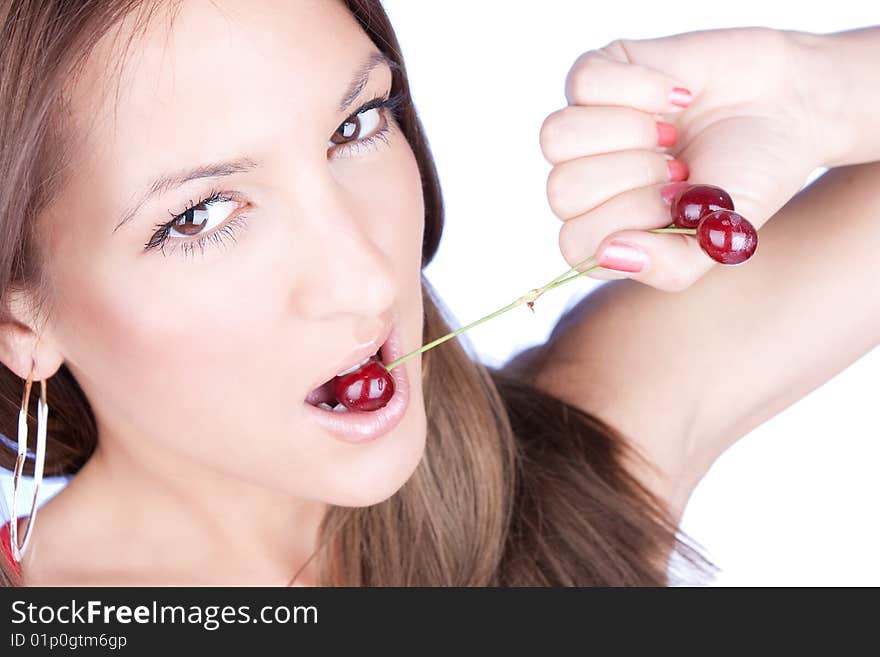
(792, 503)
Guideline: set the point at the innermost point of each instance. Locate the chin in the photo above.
(374, 478)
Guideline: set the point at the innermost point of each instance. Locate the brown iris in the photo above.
(189, 227)
(354, 121)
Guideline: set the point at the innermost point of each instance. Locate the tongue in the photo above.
(322, 394)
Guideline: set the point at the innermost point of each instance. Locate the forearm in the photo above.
(841, 79)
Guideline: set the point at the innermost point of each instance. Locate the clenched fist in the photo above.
(729, 107)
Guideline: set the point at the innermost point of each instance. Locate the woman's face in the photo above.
(200, 351)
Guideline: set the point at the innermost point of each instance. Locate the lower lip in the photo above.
(362, 426)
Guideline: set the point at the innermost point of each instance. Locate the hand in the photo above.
(748, 129)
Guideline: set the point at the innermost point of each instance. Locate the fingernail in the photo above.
(680, 96)
(623, 256)
(668, 192)
(667, 135)
(678, 170)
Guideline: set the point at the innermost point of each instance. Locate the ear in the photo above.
(22, 349)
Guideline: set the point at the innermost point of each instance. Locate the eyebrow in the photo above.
(362, 76)
(167, 182)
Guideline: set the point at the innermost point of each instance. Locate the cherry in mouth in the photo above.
(367, 389)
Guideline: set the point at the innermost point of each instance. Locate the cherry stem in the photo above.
(530, 298)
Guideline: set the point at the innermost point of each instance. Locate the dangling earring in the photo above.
(42, 420)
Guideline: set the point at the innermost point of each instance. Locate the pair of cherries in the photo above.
(724, 235)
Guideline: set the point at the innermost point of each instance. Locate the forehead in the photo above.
(216, 76)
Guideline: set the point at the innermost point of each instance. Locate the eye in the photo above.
(200, 218)
(197, 221)
(353, 125)
(369, 124)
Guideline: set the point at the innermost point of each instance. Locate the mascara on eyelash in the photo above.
(392, 102)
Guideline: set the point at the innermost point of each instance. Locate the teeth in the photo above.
(339, 408)
(356, 367)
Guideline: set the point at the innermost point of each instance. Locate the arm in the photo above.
(844, 91)
(686, 374)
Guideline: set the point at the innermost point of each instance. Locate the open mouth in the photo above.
(324, 396)
(377, 406)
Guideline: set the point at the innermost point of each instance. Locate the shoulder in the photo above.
(525, 364)
(665, 467)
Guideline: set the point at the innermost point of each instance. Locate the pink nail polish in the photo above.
(678, 170)
(667, 135)
(680, 96)
(668, 192)
(623, 256)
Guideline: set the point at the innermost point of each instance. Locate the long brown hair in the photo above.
(516, 487)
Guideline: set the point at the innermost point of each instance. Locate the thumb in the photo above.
(751, 161)
(666, 261)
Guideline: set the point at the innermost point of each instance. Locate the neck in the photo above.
(140, 511)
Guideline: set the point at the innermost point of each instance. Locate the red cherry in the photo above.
(366, 389)
(693, 203)
(727, 237)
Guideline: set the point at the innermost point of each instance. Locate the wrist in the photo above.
(839, 85)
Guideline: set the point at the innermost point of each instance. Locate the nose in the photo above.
(346, 269)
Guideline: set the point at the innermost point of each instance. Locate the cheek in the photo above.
(390, 191)
(144, 337)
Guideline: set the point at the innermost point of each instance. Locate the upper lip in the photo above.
(356, 356)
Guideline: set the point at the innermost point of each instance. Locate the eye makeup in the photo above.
(389, 106)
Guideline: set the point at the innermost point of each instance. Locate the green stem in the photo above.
(446, 337)
(682, 231)
(528, 299)
(566, 280)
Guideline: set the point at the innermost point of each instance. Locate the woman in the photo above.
(187, 258)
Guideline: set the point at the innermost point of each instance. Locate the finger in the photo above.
(670, 191)
(576, 131)
(577, 186)
(667, 261)
(597, 79)
(637, 209)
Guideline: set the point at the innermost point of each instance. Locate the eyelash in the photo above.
(391, 104)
